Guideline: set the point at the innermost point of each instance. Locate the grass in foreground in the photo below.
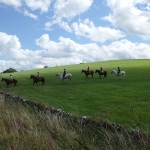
(22, 127)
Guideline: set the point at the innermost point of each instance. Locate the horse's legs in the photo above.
(34, 82)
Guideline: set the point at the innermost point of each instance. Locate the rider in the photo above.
(10, 78)
(38, 75)
(88, 69)
(118, 71)
(64, 73)
(101, 69)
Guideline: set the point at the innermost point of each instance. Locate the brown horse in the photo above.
(9, 81)
(88, 73)
(35, 79)
(104, 73)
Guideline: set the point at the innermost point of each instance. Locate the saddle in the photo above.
(11, 81)
(66, 76)
(38, 78)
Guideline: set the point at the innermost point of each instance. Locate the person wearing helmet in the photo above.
(64, 73)
(118, 71)
(10, 78)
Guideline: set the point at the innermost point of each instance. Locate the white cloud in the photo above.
(66, 48)
(67, 10)
(125, 49)
(9, 44)
(64, 52)
(15, 3)
(26, 13)
(71, 8)
(65, 26)
(131, 15)
(96, 34)
(42, 5)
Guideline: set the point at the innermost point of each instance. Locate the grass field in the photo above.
(124, 101)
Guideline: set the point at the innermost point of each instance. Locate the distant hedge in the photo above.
(10, 70)
(45, 66)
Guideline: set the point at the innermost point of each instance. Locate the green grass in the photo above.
(122, 101)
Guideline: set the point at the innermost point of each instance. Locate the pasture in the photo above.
(123, 101)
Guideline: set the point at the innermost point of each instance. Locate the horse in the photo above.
(35, 79)
(9, 81)
(67, 76)
(88, 73)
(122, 73)
(101, 73)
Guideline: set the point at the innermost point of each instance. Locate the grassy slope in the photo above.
(122, 101)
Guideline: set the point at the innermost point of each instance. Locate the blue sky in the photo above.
(38, 33)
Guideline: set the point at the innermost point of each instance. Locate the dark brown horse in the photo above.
(104, 73)
(9, 81)
(35, 79)
(88, 73)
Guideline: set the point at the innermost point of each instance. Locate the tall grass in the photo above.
(22, 127)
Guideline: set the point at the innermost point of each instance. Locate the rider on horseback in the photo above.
(118, 71)
(101, 69)
(88, 70)
(38, 76)
(10, 78)
(64, 73)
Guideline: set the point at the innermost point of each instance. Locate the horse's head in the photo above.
(57, 74)
(82, 71)
(2, 79)
(96, 71)
(32, 76)
(112, 71)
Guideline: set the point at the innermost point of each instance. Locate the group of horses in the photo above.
(103, 73)
(35, 80)
(67, 76)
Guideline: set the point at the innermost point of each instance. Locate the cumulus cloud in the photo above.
(125, 49)
(96, 34)
(15, 3)
(131, 15)
(71, 8)
(42, 5)
(66, 48)
(64, 52)
(67, 10)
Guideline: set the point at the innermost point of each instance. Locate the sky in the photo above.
(38, 33)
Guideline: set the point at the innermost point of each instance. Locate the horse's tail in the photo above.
(71, 76)
(124, 74)
(105, 73)
(15, 81)
(43, 79)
